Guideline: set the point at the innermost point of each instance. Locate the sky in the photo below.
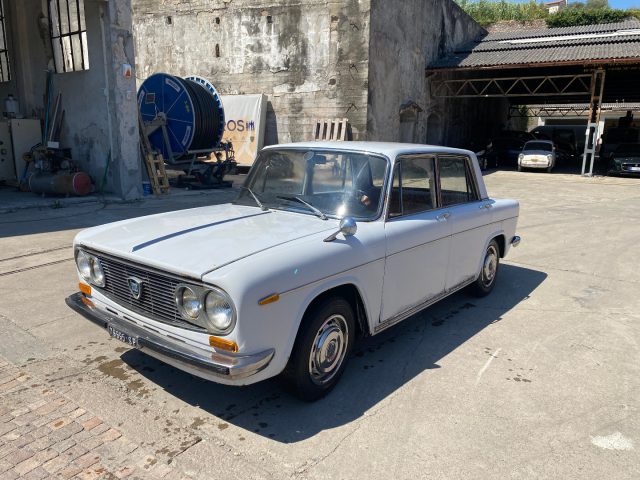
(624, 3)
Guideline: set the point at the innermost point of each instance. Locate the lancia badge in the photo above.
(135, 287)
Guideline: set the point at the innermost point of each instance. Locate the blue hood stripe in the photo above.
(189, 230)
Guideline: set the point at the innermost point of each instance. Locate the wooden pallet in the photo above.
(332, 130)
(154, 163)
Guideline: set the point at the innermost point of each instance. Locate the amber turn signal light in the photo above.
(270, 299)
(88, 302)
(223, 344)
(84, 288)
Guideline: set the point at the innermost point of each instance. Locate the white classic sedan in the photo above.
(325, 242)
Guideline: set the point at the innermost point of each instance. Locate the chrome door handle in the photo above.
(443, 216)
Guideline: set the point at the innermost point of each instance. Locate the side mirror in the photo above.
(348, 227)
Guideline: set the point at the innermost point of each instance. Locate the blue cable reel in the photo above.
(191, 114)
(206, 84)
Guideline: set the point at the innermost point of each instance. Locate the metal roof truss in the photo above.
(509, 87)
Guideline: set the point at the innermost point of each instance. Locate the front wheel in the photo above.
(321, 350)
(487, 278)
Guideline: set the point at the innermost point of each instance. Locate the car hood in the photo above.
(627, 158)
(536, 152)
(197, 241)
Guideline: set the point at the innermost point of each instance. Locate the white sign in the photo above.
(245, 117)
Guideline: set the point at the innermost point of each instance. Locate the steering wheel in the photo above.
(360, 196)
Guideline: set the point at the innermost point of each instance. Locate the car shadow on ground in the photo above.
(378, 367)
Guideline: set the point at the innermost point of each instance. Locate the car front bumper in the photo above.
(208, 364)
(525, 163)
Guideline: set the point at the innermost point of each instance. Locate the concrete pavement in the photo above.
(538, 380)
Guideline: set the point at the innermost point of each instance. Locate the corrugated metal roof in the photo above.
(592, 42)
(549, 32)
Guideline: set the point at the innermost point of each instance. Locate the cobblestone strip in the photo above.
(47, 435)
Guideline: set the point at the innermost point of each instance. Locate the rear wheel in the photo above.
(487, 278)
(321, 350)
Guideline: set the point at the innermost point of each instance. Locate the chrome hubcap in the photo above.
(329, 349)
(490, 265)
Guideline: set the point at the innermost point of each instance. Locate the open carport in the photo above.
(592, 65)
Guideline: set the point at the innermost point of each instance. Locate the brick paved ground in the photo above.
(47, 435)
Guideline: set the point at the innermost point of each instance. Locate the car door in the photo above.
(469, 218)
(417, 238)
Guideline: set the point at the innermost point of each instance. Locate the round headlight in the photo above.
(83, 262)
(97, 274)
(189, 302)
(219, 311)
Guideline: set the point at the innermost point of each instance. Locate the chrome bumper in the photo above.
(198, 361)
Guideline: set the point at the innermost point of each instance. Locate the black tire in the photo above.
(489, 272)
(332, 319)
(519, 168)
(549, 169)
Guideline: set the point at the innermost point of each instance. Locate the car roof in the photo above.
(540, 141)
(390, 149)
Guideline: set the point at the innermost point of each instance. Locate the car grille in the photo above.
(157, 299)
(631, 167)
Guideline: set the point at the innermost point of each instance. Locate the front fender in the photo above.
(298, 273)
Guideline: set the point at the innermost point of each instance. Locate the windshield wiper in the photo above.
(315, 210)
(255, 197)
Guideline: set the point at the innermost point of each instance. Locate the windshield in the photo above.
(628, 149)
(547, 147)
(317, 182)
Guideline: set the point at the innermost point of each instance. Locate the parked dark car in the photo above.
(569, 139)
(615, 137)
(625, 159)
(505, 148)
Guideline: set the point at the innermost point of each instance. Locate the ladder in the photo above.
(154, 163)
(592, 133)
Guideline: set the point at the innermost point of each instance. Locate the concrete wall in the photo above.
(99, 103)
(310, 57)
(405, 37)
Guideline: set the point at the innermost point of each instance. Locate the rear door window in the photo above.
(456, 181)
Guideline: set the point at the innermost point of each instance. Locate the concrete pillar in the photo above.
(123, 123)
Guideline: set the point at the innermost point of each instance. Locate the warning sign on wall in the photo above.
(245, 117)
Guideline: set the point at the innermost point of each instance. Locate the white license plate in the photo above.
(634, 169)
(123, 337)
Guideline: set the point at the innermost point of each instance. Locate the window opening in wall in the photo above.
(68, 32)
(169, 20)
(217, 50)
(5, 72)
(217, 20)
(269, 19)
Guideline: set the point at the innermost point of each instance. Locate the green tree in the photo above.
(573, 17)
(486, 12)
(596, 4)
